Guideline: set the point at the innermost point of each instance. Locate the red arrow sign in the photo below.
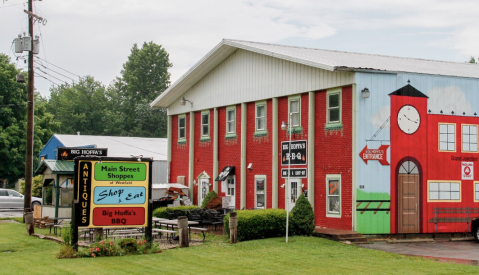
(379, 154)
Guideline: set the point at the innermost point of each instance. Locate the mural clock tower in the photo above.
(408, 156)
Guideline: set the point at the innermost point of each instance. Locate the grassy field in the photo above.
(21, 254)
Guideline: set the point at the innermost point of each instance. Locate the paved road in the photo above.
(464, 252)
(5, 213)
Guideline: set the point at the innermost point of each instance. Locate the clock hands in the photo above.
(410, 119)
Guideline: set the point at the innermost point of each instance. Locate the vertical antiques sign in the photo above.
(112, 192)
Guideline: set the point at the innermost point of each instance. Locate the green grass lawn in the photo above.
(21, 254)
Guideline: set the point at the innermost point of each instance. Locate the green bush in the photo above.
(161, 212)
(302, 217)
(208, 197)
(37, 185)
(259, 224)
(128, 244)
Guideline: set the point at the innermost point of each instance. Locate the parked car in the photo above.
(13, 199)
(475, 228)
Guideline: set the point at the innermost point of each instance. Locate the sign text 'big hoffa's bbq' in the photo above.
(113, 192)
(298, 152)
(68, 153)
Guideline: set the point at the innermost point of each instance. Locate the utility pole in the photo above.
(29, 150)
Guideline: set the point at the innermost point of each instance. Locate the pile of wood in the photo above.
(44, 222)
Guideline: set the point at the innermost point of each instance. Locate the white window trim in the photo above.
(439, 137)
(334, 177)
(333, 92)
(257, 177)
(200, 185)
(300, 186)
(475, 190)
(231, 108)
(208, 124)
(179, 137)
(294, 98)
(447, 181)
(260, 103)
(462, 138)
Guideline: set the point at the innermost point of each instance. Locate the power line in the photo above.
(58, 67)
(39, 75)
(13, 5)
(38, 62)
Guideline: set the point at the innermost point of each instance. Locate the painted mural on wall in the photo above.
(429, 128)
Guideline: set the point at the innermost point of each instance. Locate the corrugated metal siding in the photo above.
(50, 149)
(160, 171)
(247, 76)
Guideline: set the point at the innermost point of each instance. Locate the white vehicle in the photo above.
(12, 199)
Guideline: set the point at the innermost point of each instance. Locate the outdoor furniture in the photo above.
(209, 219)
(170, 213)
(194, 215)
(453, 211)
(174, 224)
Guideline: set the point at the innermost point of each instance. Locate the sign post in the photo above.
(113, 192)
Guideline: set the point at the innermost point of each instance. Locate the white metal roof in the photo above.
(155, 148)
(324, 59)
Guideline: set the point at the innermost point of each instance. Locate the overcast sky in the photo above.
(91, 37)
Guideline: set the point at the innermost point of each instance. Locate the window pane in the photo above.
(477, 195)
(450, 137)
(450, 147)
(333, 204)
(465, 138)
(473, 148)
(333, 187)
(3, 193)
(205, 130)
(295, 120)
(294, 106)
(334, 100)
(231, 128)
(260, 200)
(443, 128)
(182, 133)
(466, 147)
(333, 115)
(433, 195)
(450, 129)
(260, 111)
(444, 195)
(260, 124)
(182, 122)
(204, 119)
(434, 186)
(454, 195)
(444, 186)
(443, 137)
(455, 187)
(231, 115)
(443, 146)
(465, 129)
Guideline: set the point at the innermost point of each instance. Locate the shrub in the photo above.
(129, 244)
(258, 224)
(37, 185)
(106, 248)
(67, 252)
(161, 212)
(302, 218)
(208, 197)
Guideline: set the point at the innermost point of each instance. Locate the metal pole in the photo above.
(30, 104)
(287, 183)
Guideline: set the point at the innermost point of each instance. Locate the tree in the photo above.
(13, 121)
(80, 108)
(302, 217)
(472, 60)
(144, 76)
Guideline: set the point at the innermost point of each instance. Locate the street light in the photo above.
(284, 127)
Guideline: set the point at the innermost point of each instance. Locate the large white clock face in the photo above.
(408, 119)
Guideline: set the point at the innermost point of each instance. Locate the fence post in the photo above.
(183, 231)
(233, 227)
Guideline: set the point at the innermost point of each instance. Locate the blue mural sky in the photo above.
(91, 37)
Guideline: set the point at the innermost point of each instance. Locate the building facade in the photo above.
(375, 145)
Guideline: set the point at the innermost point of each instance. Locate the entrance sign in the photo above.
(68, 153)
(467, 169)
(113, 192)
(379, 154)
(294, 173)
(298, 152)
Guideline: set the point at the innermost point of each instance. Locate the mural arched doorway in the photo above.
(408, 196)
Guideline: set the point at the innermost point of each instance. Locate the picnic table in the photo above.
(174, 224)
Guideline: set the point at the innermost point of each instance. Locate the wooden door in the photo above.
(408, 203)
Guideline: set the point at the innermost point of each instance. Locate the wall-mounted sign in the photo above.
(379, 154)
(467, 169)
(298, 152)
(68, 153)
(112, 192)
(294, 173)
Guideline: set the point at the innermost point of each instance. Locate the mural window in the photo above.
(447, 137)
(469, 138)
(333, 195)
(231, 120)
(476, 191)
(205, 124)
(260, 115)
(181, 128)
(260, 191)
(444, 191)
(295, 111)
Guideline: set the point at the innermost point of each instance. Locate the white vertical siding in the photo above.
(247, 76)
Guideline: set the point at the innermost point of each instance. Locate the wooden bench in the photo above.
(200, 229)
(127, 235)
(453, 210)
(169, 233)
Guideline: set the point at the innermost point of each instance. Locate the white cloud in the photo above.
(380, 117)
(448, 99)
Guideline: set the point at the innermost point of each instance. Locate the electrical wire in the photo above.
(58, 67)
(38, 63)
(39, 75)
(13, 5)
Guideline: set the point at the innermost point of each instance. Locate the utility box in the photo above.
(36, 46)
(18, 45)
(27, 43)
